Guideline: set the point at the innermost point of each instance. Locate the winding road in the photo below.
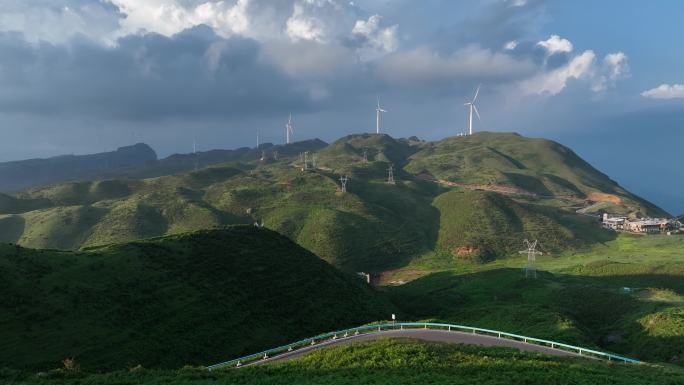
(425, 335)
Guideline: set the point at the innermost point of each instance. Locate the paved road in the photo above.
(426, 335)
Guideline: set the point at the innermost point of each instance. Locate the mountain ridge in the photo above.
(523, 188)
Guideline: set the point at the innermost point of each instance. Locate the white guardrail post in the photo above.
(242, 361)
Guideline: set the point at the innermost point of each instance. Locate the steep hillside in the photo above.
(537, 166)
(167, 302)
(22, 174)
(482, 225)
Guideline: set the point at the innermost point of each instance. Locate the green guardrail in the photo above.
(238, 362)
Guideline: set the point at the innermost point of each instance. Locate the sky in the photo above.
(605, 78)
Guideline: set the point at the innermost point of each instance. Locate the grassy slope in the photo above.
(375, 226)
(489, 224)
(391, 361)
(577, 298)
(537, 165)
(190, 299)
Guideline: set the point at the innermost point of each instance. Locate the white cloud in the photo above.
(665, 91)
(304, 25)
(249, 18)
(57, 21)
(555, 44)
(617, 65)
(599, 76)
(511, 45)
(614, 68)
(553, 82)
(376, 40)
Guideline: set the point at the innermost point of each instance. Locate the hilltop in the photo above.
(460, 199)
(167, 302)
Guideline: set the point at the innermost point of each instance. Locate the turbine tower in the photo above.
(472, 107)
(378, 111)
(289, 130)
(194, 152)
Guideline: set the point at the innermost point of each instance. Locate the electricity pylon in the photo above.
(390, 176)
(343, 182)
(531, 269)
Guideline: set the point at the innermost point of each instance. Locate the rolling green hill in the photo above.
(387, 362)
(187, 299)
(464, 198)
(625, 296)
(539, 166)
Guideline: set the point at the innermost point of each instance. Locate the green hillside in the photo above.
(626, 296)
(482, 225)
(390, 362)
(439, 208)
(187, 299)
(539, 166)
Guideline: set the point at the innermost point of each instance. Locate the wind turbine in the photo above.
(377, 117)
(472, 107)
(289, 129)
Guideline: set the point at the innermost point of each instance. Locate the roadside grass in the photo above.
(384, 362)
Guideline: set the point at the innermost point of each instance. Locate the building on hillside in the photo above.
(643, 225)
(614, 222)
(646, 226)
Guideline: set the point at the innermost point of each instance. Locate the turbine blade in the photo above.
(477, 113)
(476, 93)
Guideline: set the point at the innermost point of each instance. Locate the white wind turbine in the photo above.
(378, 111)
(289, 129)
(472, 107)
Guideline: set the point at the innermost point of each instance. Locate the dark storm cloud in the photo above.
(147, 76)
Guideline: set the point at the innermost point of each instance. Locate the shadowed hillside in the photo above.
(22, 174)
(189, 299)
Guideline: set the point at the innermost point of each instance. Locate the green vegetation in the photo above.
(481, 225)
(391, 362)
(373, 227)
(625, 296)
(539, 166)
(189, 299)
